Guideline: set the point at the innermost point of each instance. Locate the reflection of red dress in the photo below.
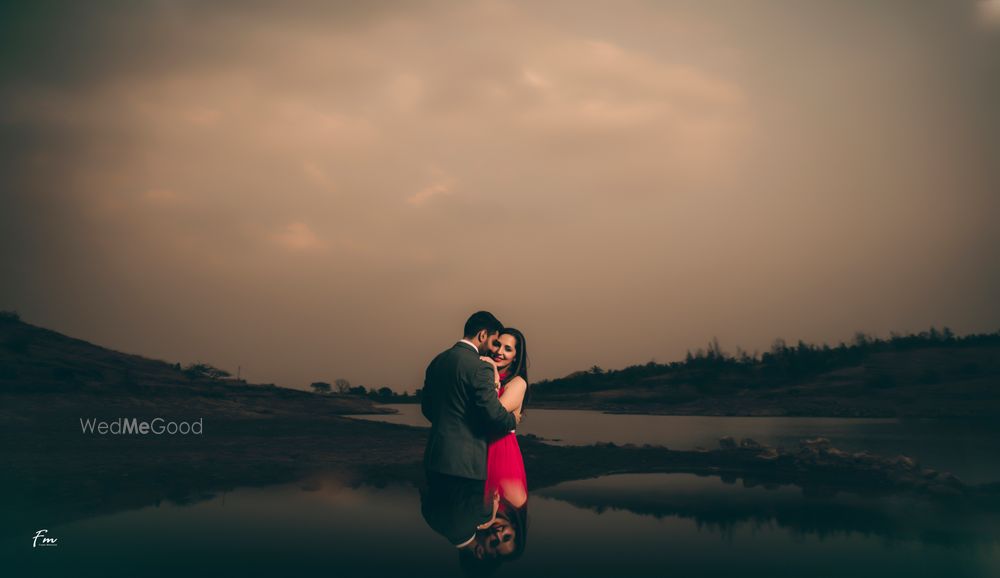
(505, 466)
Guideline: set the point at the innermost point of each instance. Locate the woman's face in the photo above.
(506, 350)
(500, 539)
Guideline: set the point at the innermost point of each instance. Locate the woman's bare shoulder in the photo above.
(517, 381)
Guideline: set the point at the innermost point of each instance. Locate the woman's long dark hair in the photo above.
(518, 518)
(519, 366)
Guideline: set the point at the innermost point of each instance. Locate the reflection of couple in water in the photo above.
(473, 396)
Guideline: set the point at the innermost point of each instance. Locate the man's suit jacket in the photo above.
(460, 400)
(454, 507)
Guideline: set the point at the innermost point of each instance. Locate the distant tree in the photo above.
(320, 387)
(357, 390)
(596, 370)
(216, 373)
(715, 350)
(195, 370)
(343, 386)
(385, 393)
(9, 316)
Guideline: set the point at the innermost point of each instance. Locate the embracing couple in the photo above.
(473, 396)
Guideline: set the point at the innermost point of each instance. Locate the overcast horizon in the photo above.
(319, 191)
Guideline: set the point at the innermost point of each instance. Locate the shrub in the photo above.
(196, 370)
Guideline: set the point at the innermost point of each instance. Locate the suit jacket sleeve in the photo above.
(484, 397)
(426, 394)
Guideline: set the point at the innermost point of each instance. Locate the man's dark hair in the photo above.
(482, 320)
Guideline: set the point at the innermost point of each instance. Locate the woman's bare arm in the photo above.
(513, 394)
(496, 372)
(496, 507)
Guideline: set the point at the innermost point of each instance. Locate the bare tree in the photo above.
(343, 386)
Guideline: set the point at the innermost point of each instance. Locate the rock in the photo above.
(815, 444)
(768, 454)
(904, 462)
(817, 455)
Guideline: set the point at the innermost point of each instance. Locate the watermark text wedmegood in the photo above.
(132, 426)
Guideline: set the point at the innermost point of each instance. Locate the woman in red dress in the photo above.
(506, 482)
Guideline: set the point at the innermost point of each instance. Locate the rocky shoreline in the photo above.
(818, 457)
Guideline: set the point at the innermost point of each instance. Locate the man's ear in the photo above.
(483, 336)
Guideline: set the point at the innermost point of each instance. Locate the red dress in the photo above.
(505, 467)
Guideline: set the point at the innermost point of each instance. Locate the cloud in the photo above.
(443, 184)
(297, 237)
(715, 160)
(318, 176)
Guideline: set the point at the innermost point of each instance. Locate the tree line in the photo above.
(344, 387)
(781, 365)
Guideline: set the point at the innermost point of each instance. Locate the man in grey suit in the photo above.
(460, 400)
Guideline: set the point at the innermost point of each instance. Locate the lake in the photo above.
(966, 448)
(631, 525)
(628, 524)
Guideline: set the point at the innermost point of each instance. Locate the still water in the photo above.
(628, 525)
(965, 448)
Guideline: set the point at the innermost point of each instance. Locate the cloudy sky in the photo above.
(314, 190)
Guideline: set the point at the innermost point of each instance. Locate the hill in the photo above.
(931, 374)
(45, 372)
